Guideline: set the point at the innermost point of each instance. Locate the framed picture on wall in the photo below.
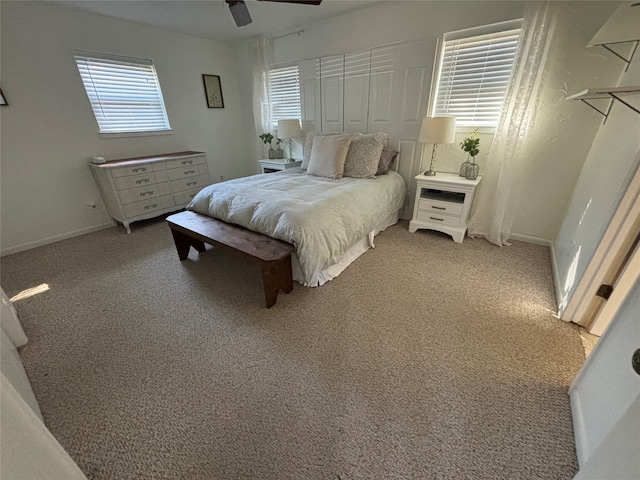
(3, 100)
(213, 91)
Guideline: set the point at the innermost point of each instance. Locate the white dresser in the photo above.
(145, 187)
(443, 203)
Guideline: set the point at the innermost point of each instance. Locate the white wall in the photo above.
(611, 163)
(49, 132)
(563, 132)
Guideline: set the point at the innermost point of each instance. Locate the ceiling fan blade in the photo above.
(240, 12)
(303, 2)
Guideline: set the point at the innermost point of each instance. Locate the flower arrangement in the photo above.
(471, 145)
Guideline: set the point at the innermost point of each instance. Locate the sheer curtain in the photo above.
(497, 198)
(262, 58)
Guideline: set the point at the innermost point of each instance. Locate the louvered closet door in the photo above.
(414, 68)
(332, 92)
(310, 95)
(383, 80)
(357, 67)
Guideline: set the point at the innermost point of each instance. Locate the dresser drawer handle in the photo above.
(191, 183)
(189, 172)
(187, 162)
(148, 207)
(142, 180)
(139, 169)
(144, 194)
(438, 208)
(438, 219)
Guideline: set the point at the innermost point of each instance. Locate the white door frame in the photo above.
(616, 241)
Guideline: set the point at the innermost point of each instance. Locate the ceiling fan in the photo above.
(240, 11)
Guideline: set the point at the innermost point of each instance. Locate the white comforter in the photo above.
(320, 217)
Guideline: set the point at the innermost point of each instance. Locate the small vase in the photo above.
(279, 153)
(272, 154)
(472, 171)
(464, 168)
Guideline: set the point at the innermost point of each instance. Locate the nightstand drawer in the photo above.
(449, 220)
(440, 207)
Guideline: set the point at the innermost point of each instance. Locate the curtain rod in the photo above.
(298, 32)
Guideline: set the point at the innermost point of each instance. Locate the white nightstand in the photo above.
(277, 165)
(443, 203)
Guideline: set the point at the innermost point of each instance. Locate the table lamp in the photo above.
(436, 130)
(288, 129)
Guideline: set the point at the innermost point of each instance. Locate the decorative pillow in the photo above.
(387, 158)
(364, 155)
(328, 155)
(308, 144)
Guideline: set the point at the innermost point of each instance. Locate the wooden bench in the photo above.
(191, 229)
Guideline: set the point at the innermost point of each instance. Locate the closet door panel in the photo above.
(310, 95)
(413, 72)
(383, 77)
(332, 91)
(356, 91)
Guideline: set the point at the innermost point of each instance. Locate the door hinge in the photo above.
(605, 291)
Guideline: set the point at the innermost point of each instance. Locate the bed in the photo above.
(329, 221)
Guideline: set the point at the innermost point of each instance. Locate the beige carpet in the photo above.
(424, 359)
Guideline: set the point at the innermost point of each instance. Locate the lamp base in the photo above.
(429, 173)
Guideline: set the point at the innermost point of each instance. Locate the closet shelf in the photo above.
(612, 94)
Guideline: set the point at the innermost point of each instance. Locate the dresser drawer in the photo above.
(183, 198)
(189, 183)
(137, 169)
(125, 183)
(449, 220)
(184, 172)
(185, 162)
(148, 206)
(440, 207)
(144, 193)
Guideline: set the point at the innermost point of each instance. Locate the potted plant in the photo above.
(267, 138)
(471, 145)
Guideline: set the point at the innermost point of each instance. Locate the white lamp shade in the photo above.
(437, 130)
(289, 128)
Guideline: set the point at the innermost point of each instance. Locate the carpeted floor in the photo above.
(424, 359)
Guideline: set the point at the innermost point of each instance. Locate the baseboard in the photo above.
(530, 239)
(554, 263)
(55, 238)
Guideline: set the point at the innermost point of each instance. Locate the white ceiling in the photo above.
(212, 18)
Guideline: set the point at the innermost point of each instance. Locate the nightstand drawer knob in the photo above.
(438, 208)
(438, 219)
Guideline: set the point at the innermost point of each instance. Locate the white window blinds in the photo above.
(474, 75)
(124, 93)
(285, 94)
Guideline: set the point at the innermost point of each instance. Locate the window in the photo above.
(124, 93)
(474, 72)
(285, 94)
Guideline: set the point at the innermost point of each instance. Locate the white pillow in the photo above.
(328, 155)
(364, 155)
(308, 145)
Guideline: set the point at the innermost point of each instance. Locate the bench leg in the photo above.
(183, 243)
(275, 277)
